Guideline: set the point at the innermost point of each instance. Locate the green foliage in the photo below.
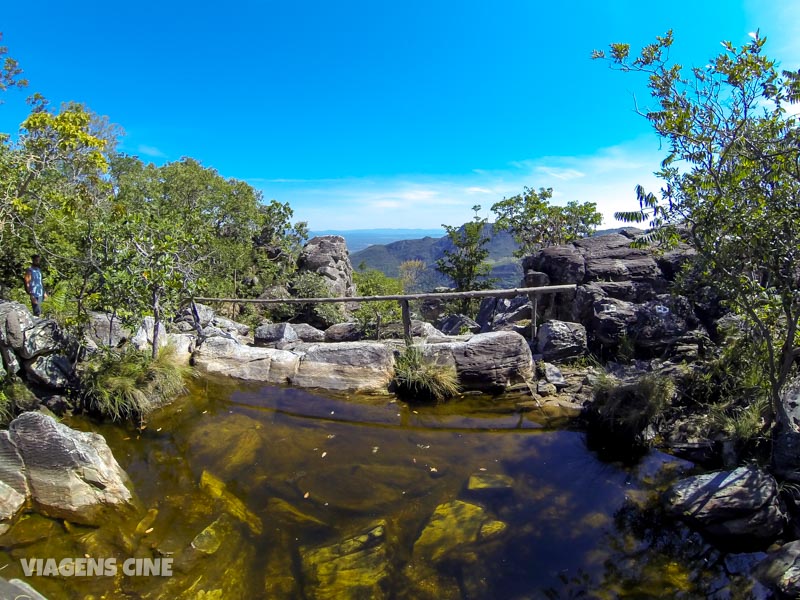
(310, 285)
(130, 384)
(730, 184)
(371, 315)
(466, 263)
(421, 380)
(10, 71)
(535, 223)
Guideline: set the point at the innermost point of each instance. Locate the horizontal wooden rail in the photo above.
(503, 293)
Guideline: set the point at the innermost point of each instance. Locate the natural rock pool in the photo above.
(265, 492)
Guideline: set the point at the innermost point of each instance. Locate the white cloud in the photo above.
(607, 177)
(150, 151)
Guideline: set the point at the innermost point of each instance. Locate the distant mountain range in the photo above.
(386, 249)
(388, 257)
(358, 239)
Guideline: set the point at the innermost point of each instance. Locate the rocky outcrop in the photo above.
(620, 296)
(35, 347)
(328, 256)
(742, 505)
(63, 473)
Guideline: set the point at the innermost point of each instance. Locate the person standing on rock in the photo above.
(34, 286)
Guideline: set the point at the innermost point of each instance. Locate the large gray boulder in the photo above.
(328, 256)
(742, 504)
(275, 335)
(557, 340)
(365, 366)
(43, 337)
(226, 356)
(457, 324)
(53, 370)
(308, 333)
(344, 332)
(103, 329)
(489, 362)
(562, 264)
(14, 320)
(67, 474)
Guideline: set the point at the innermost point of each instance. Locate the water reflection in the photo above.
(281, 493)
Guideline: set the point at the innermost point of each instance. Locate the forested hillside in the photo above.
(388, 258)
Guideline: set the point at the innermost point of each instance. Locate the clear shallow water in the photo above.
(276, 478)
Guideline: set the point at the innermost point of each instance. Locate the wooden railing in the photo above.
(532, 292)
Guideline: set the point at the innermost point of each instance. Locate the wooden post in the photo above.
(406, 321)
(535, 315)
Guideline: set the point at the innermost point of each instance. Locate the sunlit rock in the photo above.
(225, 356)
(69, 474)
(366, 366)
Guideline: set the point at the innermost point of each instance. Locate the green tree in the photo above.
(371, 282)
(465, 264)
(535, 223)
(411, 272)
(731, 183)
(10, 71)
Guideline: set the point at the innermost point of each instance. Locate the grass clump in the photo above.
(623, 412)
(417, 379)
(6, 408)
(744, 424)
(130, 384)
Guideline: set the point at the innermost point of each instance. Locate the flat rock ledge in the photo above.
(58, 471)
(489, 362)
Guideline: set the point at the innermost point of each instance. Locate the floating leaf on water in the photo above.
(375, 449)
(306, 495)
(324, 454)
(150, 530)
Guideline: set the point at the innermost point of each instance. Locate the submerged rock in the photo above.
(354, 568)
(233, 506)
(453, 526)
(742, 504)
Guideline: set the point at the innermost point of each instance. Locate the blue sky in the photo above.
(371, 113)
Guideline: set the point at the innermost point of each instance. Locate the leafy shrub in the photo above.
(416, 379)
(129, 384)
